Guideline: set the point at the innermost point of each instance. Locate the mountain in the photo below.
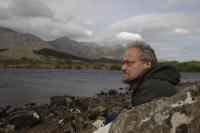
(59, 55)
(12, 39)
(68, 57)
(90, 50)
(6, 30)
(17, 45)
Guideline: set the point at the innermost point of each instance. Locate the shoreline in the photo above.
(74, 110)
(54, 68)
(67, 113)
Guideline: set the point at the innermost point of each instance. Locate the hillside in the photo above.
(29, 51)
(50, 53)
(15, 45)
(88, 50)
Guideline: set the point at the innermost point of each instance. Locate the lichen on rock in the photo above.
(176, 114)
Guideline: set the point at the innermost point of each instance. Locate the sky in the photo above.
(171, 27)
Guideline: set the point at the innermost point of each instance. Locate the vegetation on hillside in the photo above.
(60, 55)
(49, 58)
(54, 63)
(187, 66)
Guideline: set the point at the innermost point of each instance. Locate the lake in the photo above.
(21, 86)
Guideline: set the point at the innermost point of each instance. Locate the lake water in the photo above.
(21, 86)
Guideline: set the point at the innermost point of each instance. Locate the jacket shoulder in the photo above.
(152, 88)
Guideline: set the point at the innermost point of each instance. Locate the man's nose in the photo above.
(123, 67)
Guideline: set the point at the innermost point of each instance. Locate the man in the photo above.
(148, 78)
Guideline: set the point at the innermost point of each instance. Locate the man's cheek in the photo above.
(126, 76)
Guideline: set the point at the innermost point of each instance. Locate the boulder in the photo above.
(8, 129)
(23, 118)
(61, 101)
(112, 92)
(70, 102)
(177, 114)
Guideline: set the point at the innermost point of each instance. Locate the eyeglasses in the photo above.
(128, 63)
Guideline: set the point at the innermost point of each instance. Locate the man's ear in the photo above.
(147, 64)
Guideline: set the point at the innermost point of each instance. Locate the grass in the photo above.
(51, 63)
(54, 63)
(188, 66)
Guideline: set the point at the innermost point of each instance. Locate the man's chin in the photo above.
(126, 81)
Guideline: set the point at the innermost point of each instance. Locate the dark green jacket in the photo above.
(155, 82)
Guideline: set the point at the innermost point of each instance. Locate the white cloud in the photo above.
(159, 27)
(89, 22)
(181, 31)
(129, 36)
(88, 33)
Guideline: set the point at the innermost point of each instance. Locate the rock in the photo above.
(70, 114)
(102, 93)
(80, 103)
(74, 110)
(2, 112)
(112, 92)
(93, 115)
(50, 115)
(98, 123)
(177, 114)
(23, 118)
(69, 102)
(8, 129)
(30, 105)
(61, 101)
(103, 129)
(121, 88)
(10, 110)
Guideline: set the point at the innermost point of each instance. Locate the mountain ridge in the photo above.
(18, 45)
(90, 50)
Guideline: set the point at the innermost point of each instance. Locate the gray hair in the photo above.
(146, 53)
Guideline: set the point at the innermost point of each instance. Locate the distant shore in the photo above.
(56, 64)
(188, 66)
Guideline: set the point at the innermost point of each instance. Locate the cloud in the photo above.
(129, 36)
(49, 30)
(181, 31)
(30, 8)
(4, 3)
(89, 22)
(159, 27)
(170, 34)
(174, 3)
(4, 14)
(182, 53)
(36, 17)
(88, 33)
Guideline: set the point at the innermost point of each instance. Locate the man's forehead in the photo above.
(131, 53)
